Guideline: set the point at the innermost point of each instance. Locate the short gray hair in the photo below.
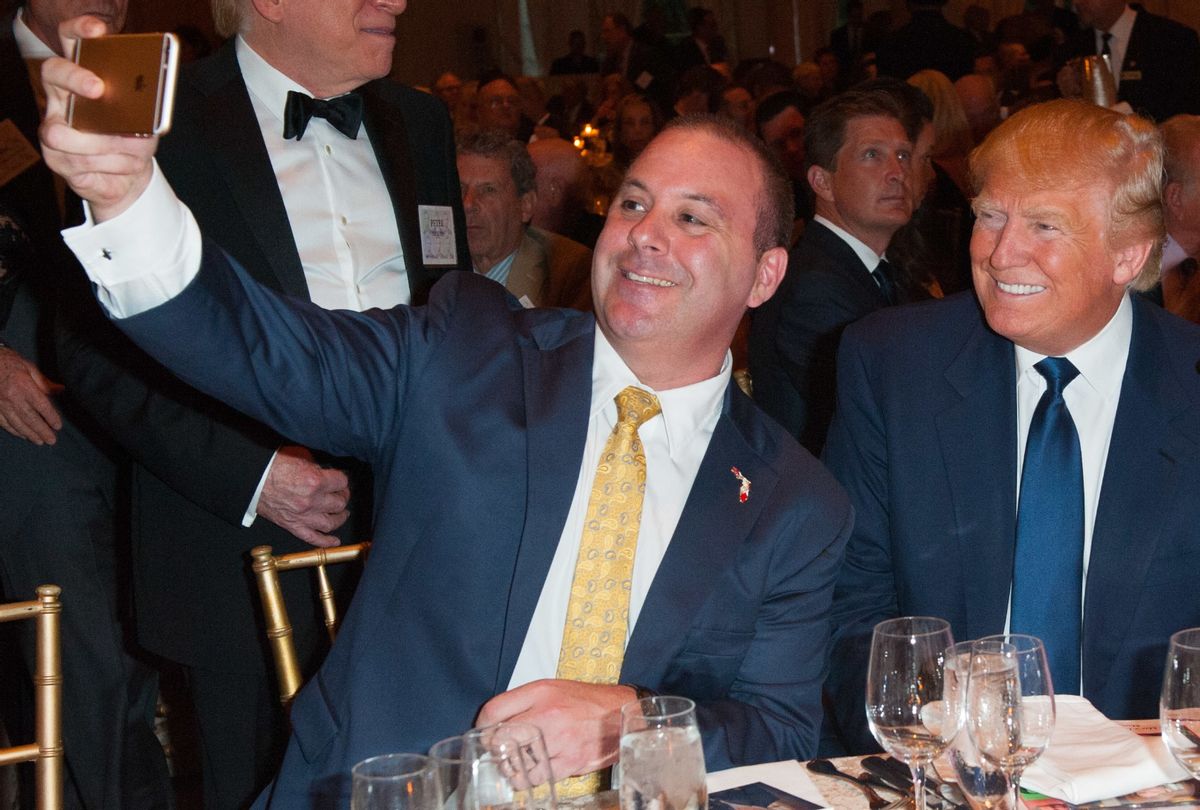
(499, 146)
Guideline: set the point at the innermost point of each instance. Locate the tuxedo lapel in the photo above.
(229, 125)
(978, 441)
(707, 539)
(389, 140)
(558, 386)
(1154, 434)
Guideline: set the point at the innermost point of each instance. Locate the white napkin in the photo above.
(788, 775)
(1090, 757)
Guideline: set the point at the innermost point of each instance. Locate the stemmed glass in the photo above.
(505, 765)
(984, 786)
(395, 782)
(1179, 707)
(1010, 704)
(661, 759)
(905, 699)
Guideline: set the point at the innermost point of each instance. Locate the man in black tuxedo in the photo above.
(57, 475)
(645, 66)
(859, 157)
(1155, 60)
(345, 213)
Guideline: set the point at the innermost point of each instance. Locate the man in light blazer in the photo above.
(937, 403)
(482, 420)
(347, 222)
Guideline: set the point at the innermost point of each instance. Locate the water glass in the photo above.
(395, 782)
(983, 785)
(447, 760)
(906, 706)
(505, 765)
(661, 757)
(1179, 707)
(1010, 703)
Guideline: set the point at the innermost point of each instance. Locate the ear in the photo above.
(1173, 198)
(271, 10)
(768, 275)
(528, 202)
(1128, 261)
(821, 180)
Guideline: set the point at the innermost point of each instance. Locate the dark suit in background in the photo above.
(57, 505)
(794, 336)
(1162, 61)
(925, 442)
(928, 40)
(198, 461)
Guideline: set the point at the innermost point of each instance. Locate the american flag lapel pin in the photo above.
(744, 490)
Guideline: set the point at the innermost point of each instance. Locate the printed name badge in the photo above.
(437, 235)
(16, 152)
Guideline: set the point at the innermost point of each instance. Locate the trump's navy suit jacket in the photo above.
(925, 441)
(473, 413)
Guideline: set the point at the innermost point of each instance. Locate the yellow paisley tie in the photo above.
(593, 644)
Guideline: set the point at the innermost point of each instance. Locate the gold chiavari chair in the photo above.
(266, 567)
(47, 751)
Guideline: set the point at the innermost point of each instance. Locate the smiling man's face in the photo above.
(1045, 272)
(676, 265)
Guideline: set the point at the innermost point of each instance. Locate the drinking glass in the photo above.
(395, 782)
(1010, 704)
(505, 766)
(661, 758)
(905, 699)
(1179, 708)
(447, 757)
(984, 786)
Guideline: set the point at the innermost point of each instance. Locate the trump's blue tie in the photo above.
(1048, 568)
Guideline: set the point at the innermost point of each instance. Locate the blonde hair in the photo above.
(227, 17)
(952, 132)
(1070, 143)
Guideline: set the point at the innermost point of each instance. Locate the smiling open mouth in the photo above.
(1020, 289)
(657, 282)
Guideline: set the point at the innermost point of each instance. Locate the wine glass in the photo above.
(505, 766)
(1179, 707)
(905, 699)
(984, 786)
(395, 782)
(661, 757)
(1010, 704)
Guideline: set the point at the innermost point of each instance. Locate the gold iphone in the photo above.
(139, 84)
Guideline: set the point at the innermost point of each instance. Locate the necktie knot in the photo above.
(343, 112)
(635, 406)
(1106, 47)
(1058, 372)
(885, 277)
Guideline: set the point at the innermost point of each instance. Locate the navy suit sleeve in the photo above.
(865, 594)
(328, 380)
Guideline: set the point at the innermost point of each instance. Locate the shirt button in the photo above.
(344, 220)
(328, 149)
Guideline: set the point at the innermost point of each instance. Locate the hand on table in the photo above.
(580, 721)
(25, 407)
(109, 171)
(304, 498)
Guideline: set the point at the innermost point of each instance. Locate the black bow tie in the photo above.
(343, 112)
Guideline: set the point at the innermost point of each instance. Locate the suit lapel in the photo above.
(389, 140)
(246, 169)
(1153, 434)
(558, 386)
(707, 539)
(978, 440)
(845, 258)
(528, 274)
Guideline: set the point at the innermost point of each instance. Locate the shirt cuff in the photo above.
(252, 509)
(143, 257)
